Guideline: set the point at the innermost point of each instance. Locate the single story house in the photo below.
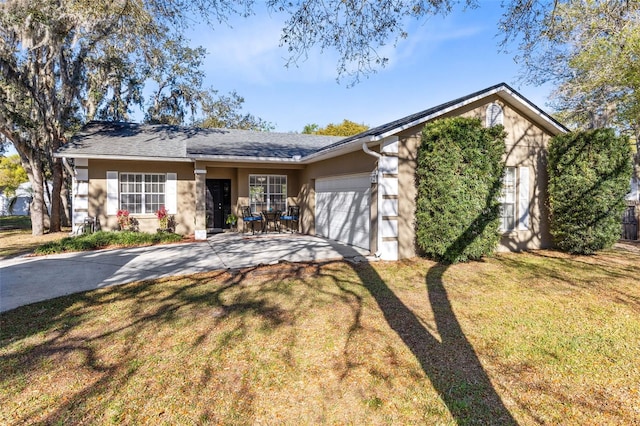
(359, 190)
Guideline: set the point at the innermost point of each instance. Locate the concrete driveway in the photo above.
(26, 280)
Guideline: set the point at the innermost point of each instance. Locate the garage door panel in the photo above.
(342, 209)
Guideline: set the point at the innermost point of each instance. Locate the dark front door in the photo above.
(218, 202)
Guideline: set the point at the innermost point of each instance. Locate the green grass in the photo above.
(15, 222)
(103, 239)
(532, 338)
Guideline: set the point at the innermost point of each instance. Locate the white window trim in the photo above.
(495, 115)
(521, 201)
(268, 194)
(143, 201)
(503, 197)
(113, 192)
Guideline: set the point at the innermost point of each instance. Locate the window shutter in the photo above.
(494, 115)
(170, 193)
(523, 200)
(112, 193)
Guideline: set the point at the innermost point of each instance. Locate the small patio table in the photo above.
(271, 217)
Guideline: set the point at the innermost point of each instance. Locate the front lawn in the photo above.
(535, 338)
(16, 242)
(15, 222)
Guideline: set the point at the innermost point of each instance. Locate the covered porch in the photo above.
(225, 191)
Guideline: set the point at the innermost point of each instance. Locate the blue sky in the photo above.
(442, 59)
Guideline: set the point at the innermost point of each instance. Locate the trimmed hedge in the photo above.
(459, 179)
(589, 176)
(103, 239)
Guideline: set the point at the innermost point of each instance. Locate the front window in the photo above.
(267, 192)
(508, 200)
(142, 193)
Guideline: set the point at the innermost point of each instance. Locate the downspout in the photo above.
(366, 150)
(378, 156)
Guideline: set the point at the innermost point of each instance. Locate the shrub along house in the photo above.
(359, 190)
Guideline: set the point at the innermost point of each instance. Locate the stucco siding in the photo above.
(407, 162)
(239, 174)
(185, 189)
(525, 147)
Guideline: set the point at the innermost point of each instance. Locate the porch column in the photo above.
(201, 209)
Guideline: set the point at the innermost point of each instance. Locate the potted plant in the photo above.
(124, 221)
(163, 219)
(231, 220)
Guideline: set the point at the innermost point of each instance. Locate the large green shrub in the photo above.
(459, 178)
(589, 176)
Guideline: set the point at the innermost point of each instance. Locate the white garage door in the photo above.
(342, 209)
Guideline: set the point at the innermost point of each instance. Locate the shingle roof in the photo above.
(130, 140)
(422, 116)
(241, 143)
(127, 140)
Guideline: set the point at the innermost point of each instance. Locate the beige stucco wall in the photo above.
(525, 147)
(239, 174)
(185, 186)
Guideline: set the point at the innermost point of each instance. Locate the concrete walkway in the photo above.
(26, 280)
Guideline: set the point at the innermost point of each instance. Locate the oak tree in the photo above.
(346, 128)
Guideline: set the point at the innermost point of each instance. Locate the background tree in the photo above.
(588, 180)
(590, 50)
(11, 174)
(225, 112)
(310, 129)
(64, 63)
(346, 128)
(459, 180)
(174, 70)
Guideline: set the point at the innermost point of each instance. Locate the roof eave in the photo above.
(351, 146)
(245, 159)
(121, 157)
(541, 117)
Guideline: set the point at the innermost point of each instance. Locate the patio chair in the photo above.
(293, 213)
(250, 218)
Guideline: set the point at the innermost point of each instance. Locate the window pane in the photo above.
(507, 215)
(267, 192)
(142, 193)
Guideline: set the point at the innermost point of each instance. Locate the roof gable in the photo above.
(117, 140)
(503, 90)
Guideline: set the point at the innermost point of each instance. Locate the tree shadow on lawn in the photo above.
(450, 362)
(69, 334)
(58, 321)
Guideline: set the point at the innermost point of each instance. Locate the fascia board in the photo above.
(539, 116)
(351, 146)
(241, 159)
(122, 157)
(535, 112)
